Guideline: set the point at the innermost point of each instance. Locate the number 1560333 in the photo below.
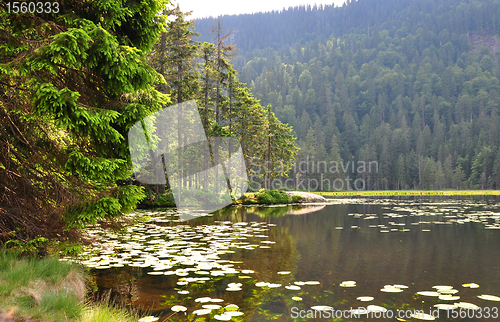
(477, 313)
(33, 7)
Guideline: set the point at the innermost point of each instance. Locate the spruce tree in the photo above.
(71, 86)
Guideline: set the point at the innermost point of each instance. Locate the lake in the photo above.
(310, 262)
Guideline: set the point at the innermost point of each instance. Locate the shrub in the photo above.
(272, 197)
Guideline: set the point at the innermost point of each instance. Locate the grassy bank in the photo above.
(48, 290)
(266, 197)
(390, 193)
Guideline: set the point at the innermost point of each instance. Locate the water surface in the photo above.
(416, 242)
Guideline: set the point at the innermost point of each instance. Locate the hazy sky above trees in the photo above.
(204, 8)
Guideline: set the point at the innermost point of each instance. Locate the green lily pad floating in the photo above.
(467, 305)
(216, 300)
(376, 308)
(178, 308)
(273, 285)
(428, 293)
(148, 319)
(400, 286)
(471, 285)
(261, 284)
(365, 298)
(203, 299)
(448, 297)
(292, 287)
(231, 307)
(155, 273)
(489, 297)
(348, 284)
(299, 283)
(234, 313)
(391, 289)
(223, 317)
(233, 289)
(211, 306)
(313, 283)
(284, 272)
(452, 291)
(297, 298)
(322, 308)
(183, 292)
(446, 307)
(247, 271)
(443, 287)
(423, 316)
(202, 311)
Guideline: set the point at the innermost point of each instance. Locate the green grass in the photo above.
(49, 290)
(40, 288)
(389, 193)
(105, 313)
(266, 197)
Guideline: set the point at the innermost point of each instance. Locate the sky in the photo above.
(205, 8)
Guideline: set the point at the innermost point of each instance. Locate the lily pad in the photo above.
(223, 317)
(446, 307)
(376, 308)
(391, 289)
(489, 297)
(467, 305)
(202, 311)
(322, 308)
(365, 298)
(428, 293)
(148, 319)
(423, 316)
(203, 299)
(178, 308)
(348, 284)
(448, 297)
(211, 306)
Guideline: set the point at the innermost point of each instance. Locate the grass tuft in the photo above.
(49, 290)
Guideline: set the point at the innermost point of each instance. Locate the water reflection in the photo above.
(419, 243)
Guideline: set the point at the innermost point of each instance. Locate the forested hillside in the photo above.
(411, 84)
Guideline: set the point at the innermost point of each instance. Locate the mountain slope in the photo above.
(417, 91)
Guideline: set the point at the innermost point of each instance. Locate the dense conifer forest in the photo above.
(410, 84)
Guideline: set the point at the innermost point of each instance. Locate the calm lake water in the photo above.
(419, 243)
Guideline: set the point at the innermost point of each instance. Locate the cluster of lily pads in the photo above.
(449, 214)
(198, 253)
(192, 253)
(441, 292)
